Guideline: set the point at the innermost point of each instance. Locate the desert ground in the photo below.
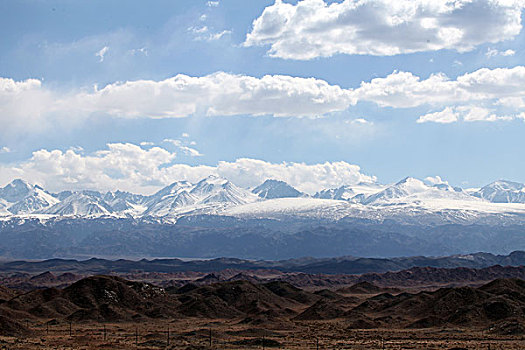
(110, 312)
(220, 334)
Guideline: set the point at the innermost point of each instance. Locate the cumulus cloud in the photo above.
(465, 113)
(405, 90)
(247, 172)
(446, 116)
(23, 104)
(474, 96)
(314, 28)
(4, 149)
(129, 167)
(435, 180)
(122, 166)
(493, 52)
(28, 102)
(513, 102)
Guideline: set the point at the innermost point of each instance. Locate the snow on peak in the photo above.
(276, 189)
(80, 204)
(502, 191)
(352, 193)
(212, 190)
(341, 193)
(20, 197)
(218, 196)
(16, 190)
(411, 189)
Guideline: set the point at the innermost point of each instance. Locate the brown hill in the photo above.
(498, 305)
(231, 299)
(428, 276)
(6, 294)
(11, 328)
(321, 310)
(464, 306)
(101, 298)
(365, 287)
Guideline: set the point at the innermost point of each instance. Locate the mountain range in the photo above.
(273, 199)
(215, 218)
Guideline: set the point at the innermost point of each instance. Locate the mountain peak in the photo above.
(19, 182)
(214, 180)
(502, 191)
(276, 189)
(16, 190)
(410, 180)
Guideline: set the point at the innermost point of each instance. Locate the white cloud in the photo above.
(189, 151)
(141, 50)
(29, 104)
(513, 102)
(23, 105)
(4, 149)
(359, 121)
(435, 180)
(465, 113)
(473, 113)
(493, 52)
(313, 28)
(508, 53)
(101, 53)
(218, 35)
(445, 116)
(203, 33)
(212, 3)
(405, 90)
(132, 168)
(125, 166)
(147, 143)
(247, 172)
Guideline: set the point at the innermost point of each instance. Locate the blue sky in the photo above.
(204, 82)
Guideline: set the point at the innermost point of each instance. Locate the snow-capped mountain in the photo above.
(209, 192)
(15, 191)
(409, 197)
(270, 189)
(413, 190)
(502, 191)
(125, 202)
(20, 197)
(352, 193)
(344, 193)
(170, 197)
(80, 204)
(214, 189)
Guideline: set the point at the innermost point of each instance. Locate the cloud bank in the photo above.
(22, 103)
(133, 168)
(29, 104)
(313, 28)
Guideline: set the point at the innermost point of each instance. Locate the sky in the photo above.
(134, 95)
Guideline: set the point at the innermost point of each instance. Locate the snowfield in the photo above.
(409, 200)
